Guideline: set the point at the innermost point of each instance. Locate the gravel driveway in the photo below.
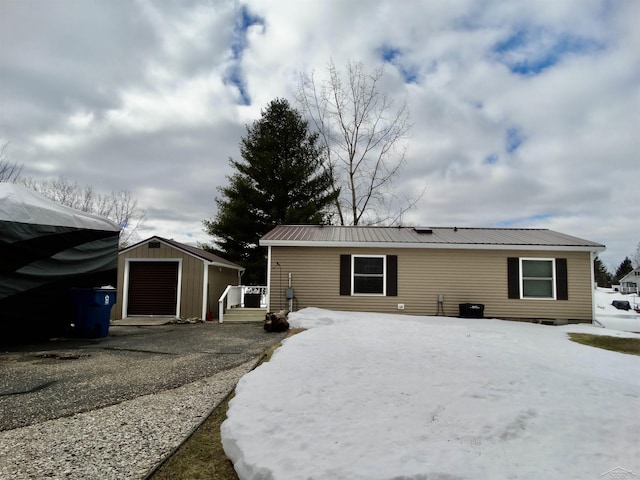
(114, 407)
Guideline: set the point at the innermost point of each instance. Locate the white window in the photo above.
(537, 278)
(369, 273)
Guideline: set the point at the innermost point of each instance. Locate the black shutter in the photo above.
(513, 277)
(392, 275)
(562, 285)
(345, 274)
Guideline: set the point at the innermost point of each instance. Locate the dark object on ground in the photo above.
(276, 322)
(621, 304)
(471, 310)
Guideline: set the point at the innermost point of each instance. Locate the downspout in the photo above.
(205, 289)
(269, 278)
(291, 298)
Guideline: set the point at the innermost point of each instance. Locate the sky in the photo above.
(364, 396)
(524, 114)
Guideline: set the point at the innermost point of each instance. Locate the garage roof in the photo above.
(189, 249)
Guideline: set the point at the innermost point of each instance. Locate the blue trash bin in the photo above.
(93, 309)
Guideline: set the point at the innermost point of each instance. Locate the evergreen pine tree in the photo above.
(636, 257)
(625, 267)
(280, 180)
(603, 277)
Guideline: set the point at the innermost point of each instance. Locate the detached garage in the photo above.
(164, 278)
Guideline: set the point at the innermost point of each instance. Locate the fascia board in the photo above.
(448, 246)
(224, 265)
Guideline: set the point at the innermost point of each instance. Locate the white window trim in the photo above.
(553, 278)
(384, 276)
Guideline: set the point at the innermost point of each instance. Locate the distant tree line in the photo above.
(120, 207)
(9, 171)
(605, 278)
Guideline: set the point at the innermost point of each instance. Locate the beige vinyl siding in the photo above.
(192, 277)
(462, 276)
(219, 279)
(190, 289)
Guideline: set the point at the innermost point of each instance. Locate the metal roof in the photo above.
(425, 237)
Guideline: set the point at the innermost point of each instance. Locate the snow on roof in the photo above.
(424, 237)
(21, 205)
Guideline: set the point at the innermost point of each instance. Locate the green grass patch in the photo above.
(616, 344)
(202, 456)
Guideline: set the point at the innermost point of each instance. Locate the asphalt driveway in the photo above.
(61, 377)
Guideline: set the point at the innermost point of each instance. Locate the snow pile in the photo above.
(608, 316)
(370, 396)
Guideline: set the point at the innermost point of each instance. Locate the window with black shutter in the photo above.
(369, 275)
(537, 278)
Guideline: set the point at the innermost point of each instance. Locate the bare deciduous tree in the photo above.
(636, 257)
(119, 207)
(9, 171)
(365, 137)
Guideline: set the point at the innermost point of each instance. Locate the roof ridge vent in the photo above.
(422, 230)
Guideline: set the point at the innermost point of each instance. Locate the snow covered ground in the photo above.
(372, 396)
(609, 316)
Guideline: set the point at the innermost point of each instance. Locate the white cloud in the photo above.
(149, 96)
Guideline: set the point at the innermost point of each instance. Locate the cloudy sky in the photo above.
(525, 113)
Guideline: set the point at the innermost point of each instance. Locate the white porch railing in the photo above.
(235, 296)
(629, 287)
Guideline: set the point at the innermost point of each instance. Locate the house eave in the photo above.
(224, 265)
(448, 246)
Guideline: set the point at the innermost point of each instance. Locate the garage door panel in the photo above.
(153, 288)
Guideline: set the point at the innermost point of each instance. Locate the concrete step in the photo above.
(244, 315)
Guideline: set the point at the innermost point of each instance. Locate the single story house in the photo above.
(165, 278)
(630, 283)
(515, 273)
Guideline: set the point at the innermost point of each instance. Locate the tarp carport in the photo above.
(45, 250)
